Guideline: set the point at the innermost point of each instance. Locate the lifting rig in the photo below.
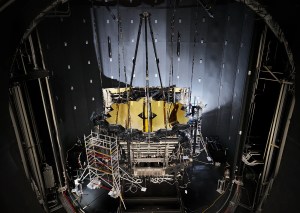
(150, 132)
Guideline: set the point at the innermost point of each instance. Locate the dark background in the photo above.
(221, 86)
(14, 21)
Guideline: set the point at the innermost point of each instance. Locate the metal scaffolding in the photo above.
(103, 160)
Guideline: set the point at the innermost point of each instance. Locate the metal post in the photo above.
(32, 145)
(273, 136)
(32, 52)
(128, 154)
(50, 134)
(28, 98)
(136, 50)
(21, 150)
(54, 117)
(246, 123)
(274, 128)
(155, 53)
(62, 157)
(34, 126)
(195, 137)
(264, 197)
(286, 129)
(146, 16)
(28, 138)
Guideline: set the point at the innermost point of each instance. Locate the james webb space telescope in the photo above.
(144, 137)
(152, 132)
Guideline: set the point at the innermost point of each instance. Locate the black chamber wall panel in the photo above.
(214, 66)
(240, 78)
(70, 57)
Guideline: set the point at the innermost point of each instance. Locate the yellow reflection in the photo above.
(164, 115)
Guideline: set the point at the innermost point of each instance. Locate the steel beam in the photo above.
(26, 130)
(19, 142)
(286, 129)
(54, 117)
(268, 155)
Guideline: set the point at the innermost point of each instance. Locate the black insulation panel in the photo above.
(70, 56)
(215, 66)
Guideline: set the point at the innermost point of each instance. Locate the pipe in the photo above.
(57, 133)
(270, 147)
(28, 138)
(33, 53)
(34, 126)
(128, 153)
(49, 126)
(256, 192)
(21, 150)
(6, 4)
(266, 193)
(54, 117)
(286, 129)
(155, 54)
(273, 133)
(50, 134)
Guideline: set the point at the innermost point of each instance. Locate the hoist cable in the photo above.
(171, 73)
(155, 54)
(123, 51)
(193, 60)
(135, 52)
(133, 68)
(146, 17)
(119, 63)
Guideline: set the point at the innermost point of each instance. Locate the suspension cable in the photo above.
(123, 50)
(193, 60)
(171, 73)
(133, 68)
(158, 70)
(146, 17)
(135, 52)
(119, 63)
(119, 56)
(155, 53)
